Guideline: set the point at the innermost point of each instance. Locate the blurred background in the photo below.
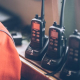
(22, 11)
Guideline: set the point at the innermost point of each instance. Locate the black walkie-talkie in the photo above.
(57, 44)
(38, 39)
(38, 30)
(71, 69)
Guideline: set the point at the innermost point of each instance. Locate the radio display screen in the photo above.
(36, 26)
(54, 34)
(74, 43)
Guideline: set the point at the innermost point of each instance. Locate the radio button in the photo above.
(55, 44)
(76, 54)
(75, 59)
(38, 32)
(51, 43)
(33, 31)
(37, 40)
(37, 35)
(76, 51)
(33, 38)
(71, 49)
(56, 41)
(71, 53)
(55, 49)
(33, 34)
(51, 39)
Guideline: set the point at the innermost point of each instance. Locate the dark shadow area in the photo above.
(10, 20)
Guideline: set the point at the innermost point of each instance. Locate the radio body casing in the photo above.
(71, 68)
(52, 60)
(73, 58)
(35, 44)
(57, 43)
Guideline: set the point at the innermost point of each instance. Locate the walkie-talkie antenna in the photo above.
(62, 13)
(42, 10)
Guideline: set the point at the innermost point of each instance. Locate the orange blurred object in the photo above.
(10, 64)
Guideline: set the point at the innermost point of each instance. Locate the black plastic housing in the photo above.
(35, 54)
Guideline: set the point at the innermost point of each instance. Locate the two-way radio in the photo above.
(38, 30)
(71, 69)
(55, 54)
(38, 42)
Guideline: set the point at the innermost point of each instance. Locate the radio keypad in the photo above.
(73, 54)
(36, 34)
(53, 45)
(36, 38)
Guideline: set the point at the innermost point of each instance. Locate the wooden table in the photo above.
(32, 70)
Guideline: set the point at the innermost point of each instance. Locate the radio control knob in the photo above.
(39, 17)
(54, 24)
(33, 31)
(75, 32)
(36, 16)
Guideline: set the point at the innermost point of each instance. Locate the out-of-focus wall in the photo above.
(77, 10)
(27, 9)
(70, 17)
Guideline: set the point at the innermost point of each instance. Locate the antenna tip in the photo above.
(75, 32)
(36, 16)
(55, 23)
